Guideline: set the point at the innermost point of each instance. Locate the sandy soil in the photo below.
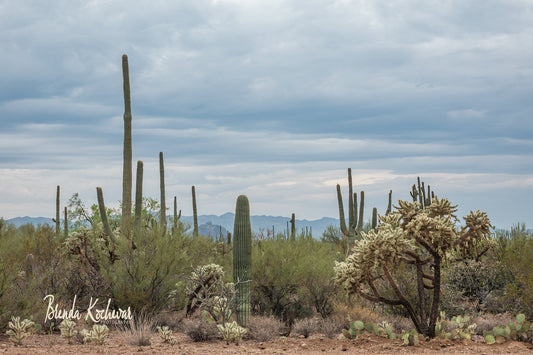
(365, 344)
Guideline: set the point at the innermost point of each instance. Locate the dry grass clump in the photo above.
(342, 311)
(305, 327)
(331, 327)
(264, 328)
(488, 321)
(199, 330)
(172, 319)
(139, 331)
(400, 324)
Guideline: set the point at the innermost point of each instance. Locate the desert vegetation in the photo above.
(411, 273)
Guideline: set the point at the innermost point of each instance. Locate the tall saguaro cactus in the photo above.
(355, 222)
(194, 213)
(163, 212)
(127, 152)
(242, 258)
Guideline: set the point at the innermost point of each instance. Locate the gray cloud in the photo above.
(269, 97)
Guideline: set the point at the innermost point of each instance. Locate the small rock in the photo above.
(303, 346)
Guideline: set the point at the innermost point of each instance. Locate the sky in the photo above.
(272, 99)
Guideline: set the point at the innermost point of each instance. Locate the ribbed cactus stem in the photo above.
(57, 220)
(374, 218)
(127, 151)
(242, 258)
(361, 212)
(344, 230)
(352, 215)
(355, 218)
(194, 213)
(103, 214)
(66, 223)
(163, 212)
(138, 196)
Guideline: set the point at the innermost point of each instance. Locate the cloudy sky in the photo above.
(272, 99)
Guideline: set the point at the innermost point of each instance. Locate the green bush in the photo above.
(290, 279)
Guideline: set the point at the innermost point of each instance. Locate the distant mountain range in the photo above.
(210, 224)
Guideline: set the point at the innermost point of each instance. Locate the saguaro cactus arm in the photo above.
(103, 215)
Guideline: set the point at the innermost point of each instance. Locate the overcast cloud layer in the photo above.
(273, 99)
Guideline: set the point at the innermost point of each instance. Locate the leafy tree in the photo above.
(415, 236)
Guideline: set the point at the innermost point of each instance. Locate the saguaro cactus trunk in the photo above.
(57, 220)
(66, 223)
(194, 213)
(139, 196)
(163, 212)
(127, 152)
(242, 258)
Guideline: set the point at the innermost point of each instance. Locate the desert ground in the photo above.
(118, 343)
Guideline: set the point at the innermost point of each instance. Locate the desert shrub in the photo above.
(469, 284)
(143, 277)
(292, 278)
(264, 328)
(32, 267)
(515, 251)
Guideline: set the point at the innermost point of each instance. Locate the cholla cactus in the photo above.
(19, 330)
(231, 332)
(166, 334)
(419, 237)
(67, 329)
(97, 335)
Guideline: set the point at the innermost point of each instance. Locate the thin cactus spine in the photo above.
(242, 258)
